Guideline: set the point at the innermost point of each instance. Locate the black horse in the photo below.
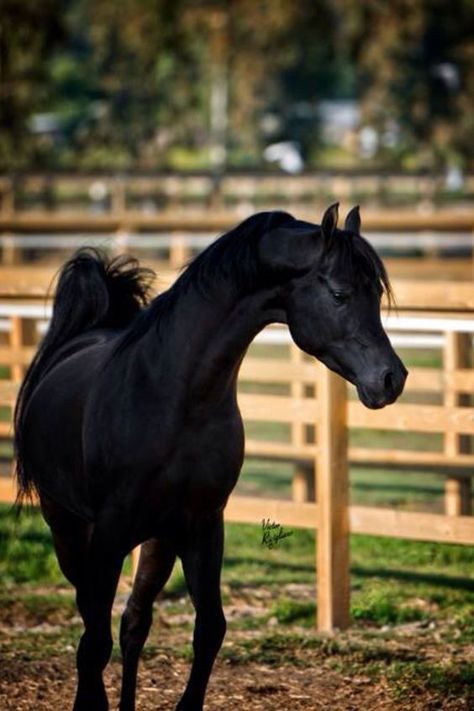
(127, 425)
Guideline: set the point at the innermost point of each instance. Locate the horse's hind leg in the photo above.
(201, 555)
(154, 568)
(71, 538)
(95, 596)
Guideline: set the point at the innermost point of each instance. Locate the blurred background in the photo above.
(183, 85)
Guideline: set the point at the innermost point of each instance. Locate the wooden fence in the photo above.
(412, 293)
(55, 191)
(126, 221)
(313, 406)
(444, 240)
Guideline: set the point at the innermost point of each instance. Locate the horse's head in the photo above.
(332, 282)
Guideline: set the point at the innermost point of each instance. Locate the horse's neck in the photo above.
(206, 338)
(220, 362)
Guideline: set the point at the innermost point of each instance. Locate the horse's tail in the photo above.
(92, 292)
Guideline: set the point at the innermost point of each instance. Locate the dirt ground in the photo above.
(263, 670)
(49, 685)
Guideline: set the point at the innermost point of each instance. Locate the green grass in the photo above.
(410, 490)
(5, 414)
(406, 489)
(261, 478)
(395, 584)
(392, 580)
(26, 553)
(450, 679)
(421, 357)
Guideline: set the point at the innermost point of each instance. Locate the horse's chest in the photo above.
(216, 442)
(210, 459)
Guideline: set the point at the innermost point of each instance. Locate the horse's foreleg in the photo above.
(95, 596)
(201, 555)
(156, 563)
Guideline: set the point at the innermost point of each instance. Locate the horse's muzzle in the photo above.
(385, 389)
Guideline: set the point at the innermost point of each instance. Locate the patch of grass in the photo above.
(381, 608)
(5, 413)
(32, 645)
(461, 624)
(26, 551)
(272, 649)
(264, 388)
(253, 621)
(268, 350)
(260, 477)
(248, 562)
(289, 612)
(36, 608)
(417, 557)
(450, 680)
(392, 439)
(176, 585)
(270, 431)
(303, 649)
(412, 490)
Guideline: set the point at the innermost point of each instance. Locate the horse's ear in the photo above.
(289, 249)
(352, 222)
(329, 222)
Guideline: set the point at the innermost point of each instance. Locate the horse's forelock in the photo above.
(354, 254)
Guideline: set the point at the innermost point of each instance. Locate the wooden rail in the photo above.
(313, 406)
(414, 294)
(117, 193)
(198, 220)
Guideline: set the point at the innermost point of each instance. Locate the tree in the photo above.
(415, 66)
(28, 32)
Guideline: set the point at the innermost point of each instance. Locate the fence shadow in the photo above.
(444, 581)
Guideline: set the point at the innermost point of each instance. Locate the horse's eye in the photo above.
(340, 297)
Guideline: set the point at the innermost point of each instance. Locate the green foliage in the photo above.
(416, 67)
(129, 84)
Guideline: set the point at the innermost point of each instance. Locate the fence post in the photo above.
(457, 492)
(7, 202)
(302, 483)
(333, 498)
(10, 253)
(119, 198)
(22, 333)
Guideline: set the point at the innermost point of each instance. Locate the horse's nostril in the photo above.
(388, 381)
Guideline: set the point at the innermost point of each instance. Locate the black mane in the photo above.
(233, 261)
(233, 256)
(230, 259)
